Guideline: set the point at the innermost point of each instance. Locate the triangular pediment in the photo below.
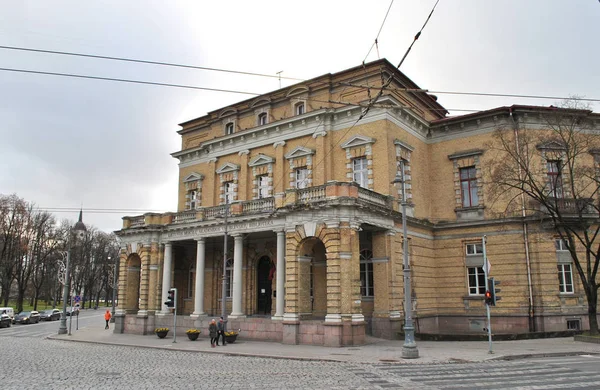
(300, 151)
(357, 140)
(228, 167)
(193, 177)
(261, 159)
(551, 145)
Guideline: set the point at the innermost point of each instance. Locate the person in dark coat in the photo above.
(221, 331)
(212, 331)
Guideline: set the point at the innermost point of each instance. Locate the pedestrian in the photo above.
(212, 331)
(221, 331)
(107, 317)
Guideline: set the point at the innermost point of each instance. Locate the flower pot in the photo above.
(162, 335)
(230, 339)
(193, 336)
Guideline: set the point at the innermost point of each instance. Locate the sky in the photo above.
(67, 143)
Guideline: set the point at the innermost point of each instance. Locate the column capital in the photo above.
(200, 239)
(238, 236)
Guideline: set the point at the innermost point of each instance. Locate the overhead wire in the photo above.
(379, 32)
(124, 59)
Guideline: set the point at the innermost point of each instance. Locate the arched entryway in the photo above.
(265, 271)
(313, 278)
(132, 299)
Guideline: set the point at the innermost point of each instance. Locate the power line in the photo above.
(379, 32)
(146, 62)
(125, 81)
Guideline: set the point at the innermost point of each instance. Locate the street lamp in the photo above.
(224, 290)
(409, 349)
(78, 230)
(114, 287)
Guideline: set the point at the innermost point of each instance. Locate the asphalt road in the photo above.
(46, 328)
(59, 364)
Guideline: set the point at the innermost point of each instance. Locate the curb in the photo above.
(543, 354)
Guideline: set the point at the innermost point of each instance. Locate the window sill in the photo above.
(469, 213)
(473, 297)
(367, 299)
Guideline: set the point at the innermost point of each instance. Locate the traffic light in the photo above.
(170, 298)
(492, 285)
(488, 298)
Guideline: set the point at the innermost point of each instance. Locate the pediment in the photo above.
(300, 151)
(193, 177)
(297, 91)
(261, 159)
(227, 112)
(551, 145)
(228, 167)
(357, 140)
(260, 102)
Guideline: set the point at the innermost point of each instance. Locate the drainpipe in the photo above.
(532, 327)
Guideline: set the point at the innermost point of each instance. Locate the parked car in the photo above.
(50, 315)
(27, 317)
(5, 321)
(9, 311)
(75, 311)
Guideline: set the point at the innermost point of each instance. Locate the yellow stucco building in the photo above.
(301, 181)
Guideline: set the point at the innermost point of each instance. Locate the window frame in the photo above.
(229, 189)
(262, 119)
(300, 183)
(361, 175)
(300, 108)
(479, 275)
(229, 128)
(229, 278)
(565, 286)
(477, 248)
(193, 199)
(263, 187)
(555, 181)
(471, 183)
(367, 280)
(561, 244)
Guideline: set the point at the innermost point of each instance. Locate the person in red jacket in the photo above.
(107, 317)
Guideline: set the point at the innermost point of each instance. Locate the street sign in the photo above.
(77, 298)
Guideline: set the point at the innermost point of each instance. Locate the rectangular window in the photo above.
(229, 191)
(474, 249)
(555, 178)
(573, 325)
(229, 128)
(476, 281)
(301, 177)
(360, 172)
(366, 279)
(193, 199)
(263, 186)
(565, 278)
(299, 108)
(561, 245)
(262, 119)
(468, 187)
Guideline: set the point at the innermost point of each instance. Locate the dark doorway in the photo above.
(265, 276)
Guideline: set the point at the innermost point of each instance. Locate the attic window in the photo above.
(229, 128)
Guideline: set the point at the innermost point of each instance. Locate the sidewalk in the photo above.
(375, 351)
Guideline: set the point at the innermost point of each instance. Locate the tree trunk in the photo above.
(593, 310)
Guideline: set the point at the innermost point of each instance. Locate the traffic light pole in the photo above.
(175, 316)
(487, 306)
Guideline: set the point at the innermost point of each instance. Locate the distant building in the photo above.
(315, 237)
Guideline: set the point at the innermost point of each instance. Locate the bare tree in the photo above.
(551, 171)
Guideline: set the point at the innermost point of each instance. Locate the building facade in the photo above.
(287, 207)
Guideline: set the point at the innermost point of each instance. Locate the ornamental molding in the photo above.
(194, 176)
(261, 159)
(358, 140)
(228, 167)
(299, 151)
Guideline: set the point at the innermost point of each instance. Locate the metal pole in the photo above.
(409, 349)
(487, 307)
(76, 321)
(114, 291)
(71, 317)
(62, 329)
(224, 290)
(175, 316)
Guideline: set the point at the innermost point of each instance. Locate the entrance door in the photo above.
(263, 273)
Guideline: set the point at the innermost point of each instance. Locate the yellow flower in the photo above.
(159, 330)
(231, 333)
(192, 331)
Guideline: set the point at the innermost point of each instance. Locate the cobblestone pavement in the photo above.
(56, 364)
(53, 364)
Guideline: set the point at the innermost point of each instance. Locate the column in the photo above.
(166, 282)
(280, 299)
(236, 311)
(199, 293)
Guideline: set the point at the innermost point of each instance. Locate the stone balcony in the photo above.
(330, 194)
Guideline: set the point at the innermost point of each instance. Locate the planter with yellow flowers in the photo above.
(161, 332)
(192, 334)
(230, 337)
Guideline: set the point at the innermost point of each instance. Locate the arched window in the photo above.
(366, 273)
(229, 128)
(299, 108)
(228, 278)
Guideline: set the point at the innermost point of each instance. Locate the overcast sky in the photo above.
(65, 142)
